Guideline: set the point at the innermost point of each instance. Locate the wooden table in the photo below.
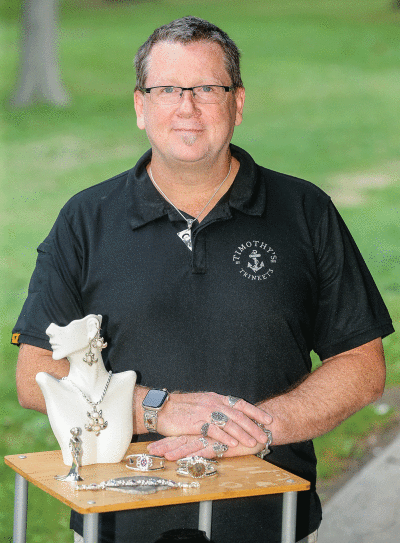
(237, 478)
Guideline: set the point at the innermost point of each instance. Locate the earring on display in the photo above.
(96, 343)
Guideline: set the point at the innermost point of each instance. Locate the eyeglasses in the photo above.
(204, 94)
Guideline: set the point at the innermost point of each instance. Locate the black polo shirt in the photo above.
(274, 274)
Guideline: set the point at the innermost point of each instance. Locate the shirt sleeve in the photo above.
(54, 289)
(351, 311)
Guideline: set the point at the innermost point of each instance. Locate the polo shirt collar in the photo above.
(145, 204)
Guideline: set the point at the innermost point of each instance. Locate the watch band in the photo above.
(150, 420)
(153, 402)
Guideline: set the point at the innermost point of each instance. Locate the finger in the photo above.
(240, 427)
(250, 426)
(233, 430)
(225, 437)
(251, 411)
(206, 453)
(193, 448)
(165, 445)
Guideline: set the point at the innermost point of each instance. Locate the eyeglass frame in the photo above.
(225, 87)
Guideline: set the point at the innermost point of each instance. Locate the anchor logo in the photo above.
(256, 266)
(255, 259)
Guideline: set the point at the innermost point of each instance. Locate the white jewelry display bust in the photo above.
(66, 406)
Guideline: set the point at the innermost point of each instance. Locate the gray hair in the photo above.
(189, 30)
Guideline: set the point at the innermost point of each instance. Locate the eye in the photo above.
(207, 89)
(167, 90)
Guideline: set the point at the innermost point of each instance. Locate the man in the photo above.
(211, 273)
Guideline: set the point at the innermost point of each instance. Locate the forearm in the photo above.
(31, 361)
(340, 387)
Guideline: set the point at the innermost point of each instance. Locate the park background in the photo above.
(323, 87)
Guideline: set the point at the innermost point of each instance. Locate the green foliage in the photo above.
(322, 103)
(347, 441)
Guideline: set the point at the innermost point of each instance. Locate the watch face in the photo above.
(155, 398)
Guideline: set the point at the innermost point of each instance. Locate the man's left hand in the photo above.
(174, 448)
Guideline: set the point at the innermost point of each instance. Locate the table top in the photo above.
(237, 477)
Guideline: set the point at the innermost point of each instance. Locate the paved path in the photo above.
(367, 508)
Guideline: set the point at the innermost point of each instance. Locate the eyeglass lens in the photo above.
(207, 94)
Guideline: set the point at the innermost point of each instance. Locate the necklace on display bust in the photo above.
(97, 422)
(186, 235)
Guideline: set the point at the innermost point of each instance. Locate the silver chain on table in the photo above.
(97, 422)
(186, 235)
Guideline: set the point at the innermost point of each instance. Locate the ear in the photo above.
(138, 97)
(240, 96)
(92, 327)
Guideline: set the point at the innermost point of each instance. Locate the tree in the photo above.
(39, 78)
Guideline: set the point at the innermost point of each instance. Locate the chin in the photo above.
(190, 153)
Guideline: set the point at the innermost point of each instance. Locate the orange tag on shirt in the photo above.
(15, 339)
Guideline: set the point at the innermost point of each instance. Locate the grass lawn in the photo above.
(322, 81)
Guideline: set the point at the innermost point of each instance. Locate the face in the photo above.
(60, 338)
(65, 340)
(188, 132)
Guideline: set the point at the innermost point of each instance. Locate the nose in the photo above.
(187, 105)
(50, 330)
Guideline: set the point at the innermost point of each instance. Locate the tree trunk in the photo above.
(39, 78)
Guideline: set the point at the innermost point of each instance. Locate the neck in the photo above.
(189, 189)
(90, 379)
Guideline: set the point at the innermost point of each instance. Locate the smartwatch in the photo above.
(152, 404)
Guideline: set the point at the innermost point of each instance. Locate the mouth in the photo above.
(189, 129)
(188, 136)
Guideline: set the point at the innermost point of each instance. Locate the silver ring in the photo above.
(232, 400)
(145, 462)
(203, 441)
(204, 429)
(220, 448)
(219, 419)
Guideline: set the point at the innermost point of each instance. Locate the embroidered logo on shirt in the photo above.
(255, 260)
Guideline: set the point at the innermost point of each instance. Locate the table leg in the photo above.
(289, 517)
(205, 516)
(20, 509)
(90, 527)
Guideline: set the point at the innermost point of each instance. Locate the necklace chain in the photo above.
(93, 404)
(189, 221)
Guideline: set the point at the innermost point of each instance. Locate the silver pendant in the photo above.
(186, 237)
(97, 422)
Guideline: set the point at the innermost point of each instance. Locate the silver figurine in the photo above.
(75, 444)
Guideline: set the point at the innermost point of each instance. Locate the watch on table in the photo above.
(153, 402)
